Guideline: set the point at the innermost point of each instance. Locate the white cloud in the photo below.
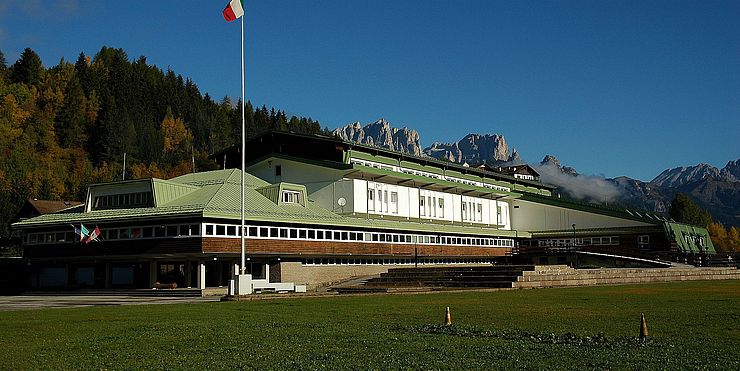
(582, 187)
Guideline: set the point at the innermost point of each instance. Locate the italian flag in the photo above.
(234, 10)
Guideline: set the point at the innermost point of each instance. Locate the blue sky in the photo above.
(609, 87)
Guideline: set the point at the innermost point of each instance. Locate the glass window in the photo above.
(264, 232)
(283, 233)
(293, 233)
(422, 209)
(220, 230)
(172, 231)
(311, 234)
(231, 230)
(292, 197)
(273, 232)
(159, 231)
(319, 235)
(371, 200)
(302, 233)
(148, 233)
(252, 231)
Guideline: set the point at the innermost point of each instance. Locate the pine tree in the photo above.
(28, 69)
(684, 210)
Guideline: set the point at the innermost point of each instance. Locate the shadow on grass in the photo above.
(597, 341)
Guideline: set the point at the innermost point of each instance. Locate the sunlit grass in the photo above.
(692, 325)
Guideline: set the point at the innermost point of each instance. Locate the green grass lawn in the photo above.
(692, 325)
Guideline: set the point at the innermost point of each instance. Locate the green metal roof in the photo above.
(216, 195)
(687, 238)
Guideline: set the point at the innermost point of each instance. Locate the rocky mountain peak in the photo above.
(679, 176)
(731, 171)
(474, 149)
(381, 134)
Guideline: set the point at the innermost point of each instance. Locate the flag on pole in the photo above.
(93, 235)
(82, 232)
(234, 10)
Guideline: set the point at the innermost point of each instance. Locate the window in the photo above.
(172, 231)
(464, 211)
(371, 200)
(278, 170)
(643, 241)
(480, 212)
(291, 197)
(385, 201)
(394, 202)
(421, 206)
(441, 202)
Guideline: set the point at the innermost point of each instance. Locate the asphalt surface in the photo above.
(28, 302)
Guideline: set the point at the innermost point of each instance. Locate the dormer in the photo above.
(134, 194)
(285, 193)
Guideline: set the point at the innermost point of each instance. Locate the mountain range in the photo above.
(717, 190)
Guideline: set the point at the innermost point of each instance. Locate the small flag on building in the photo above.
(93, 235)
(82, 232)
(234, 10)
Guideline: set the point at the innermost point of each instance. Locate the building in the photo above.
(320, 210)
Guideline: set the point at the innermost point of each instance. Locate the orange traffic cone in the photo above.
(448, 318)
(643, 327)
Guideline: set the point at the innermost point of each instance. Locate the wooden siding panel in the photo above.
(308, 248)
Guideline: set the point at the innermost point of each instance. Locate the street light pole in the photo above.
(574, 244)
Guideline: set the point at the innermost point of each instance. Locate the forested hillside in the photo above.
(67, 126)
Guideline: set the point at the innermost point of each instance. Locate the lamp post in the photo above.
(575, 252)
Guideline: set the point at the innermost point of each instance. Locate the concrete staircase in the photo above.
(563, 276)
(441, 278)
(527, 276)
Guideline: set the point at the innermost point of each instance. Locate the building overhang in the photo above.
(409, 180)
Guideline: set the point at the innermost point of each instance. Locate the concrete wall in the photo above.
(323, 275)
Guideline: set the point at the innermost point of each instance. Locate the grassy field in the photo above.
(692, 325)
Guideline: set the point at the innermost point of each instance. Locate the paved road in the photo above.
(26, 302)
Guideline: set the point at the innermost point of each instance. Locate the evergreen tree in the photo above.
(684, 210)
(28, 69)
(3, 66)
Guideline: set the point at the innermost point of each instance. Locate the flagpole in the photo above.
(244, 129)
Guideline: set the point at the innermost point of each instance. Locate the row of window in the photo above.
(432, 206)
(119, 201)
(226, 230)
(421, 261)
(562, 242)
(382, 203)
(223, 230)
(128, 233)
(428, 175)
